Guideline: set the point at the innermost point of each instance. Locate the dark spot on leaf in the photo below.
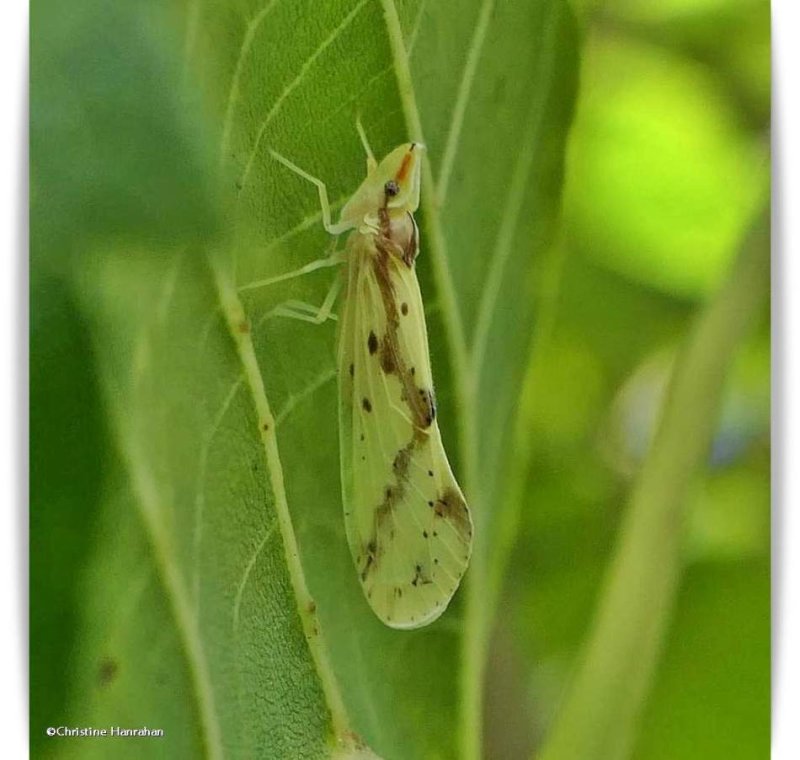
(372, 342)
(107, 671)
(352, 370)
(366, 404)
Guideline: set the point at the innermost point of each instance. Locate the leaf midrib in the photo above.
(240, 332)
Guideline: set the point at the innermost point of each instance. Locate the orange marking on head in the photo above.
(403, 170)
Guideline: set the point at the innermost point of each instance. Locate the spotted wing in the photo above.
(408, 525)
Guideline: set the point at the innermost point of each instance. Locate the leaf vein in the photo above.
(237, 602)
(504, 242)
(462, 99)
(307, 64)
(233, 92)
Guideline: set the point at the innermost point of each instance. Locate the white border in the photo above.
(14, 379)
(785, 383)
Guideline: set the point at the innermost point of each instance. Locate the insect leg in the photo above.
(336, 258)
(307, 312)
(325, 206)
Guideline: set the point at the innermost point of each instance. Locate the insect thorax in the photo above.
(399, 235)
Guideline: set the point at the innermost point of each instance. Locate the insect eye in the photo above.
(391, 189)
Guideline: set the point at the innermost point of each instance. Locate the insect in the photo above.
(408, 525)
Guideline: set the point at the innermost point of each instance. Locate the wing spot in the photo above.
(352, 370)
(388, 363)
(424, 533)
(430, 472)
(401, 460)
(366, 404)
(372, 342)
(404, 308)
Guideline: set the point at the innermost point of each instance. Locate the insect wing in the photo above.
(408, 525)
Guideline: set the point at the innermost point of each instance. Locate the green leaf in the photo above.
(220, 601)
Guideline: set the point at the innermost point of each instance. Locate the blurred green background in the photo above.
(666, 165)
(645, 181)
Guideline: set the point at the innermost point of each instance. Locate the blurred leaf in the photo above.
(189, 619)
(730, 37)
(744, 416)
(662, 180)
(730, 517)
(712, 695)
(116, 149)
(67, 456)
(112, 151)
(667, 10)
(212, 615)
(598, 717)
